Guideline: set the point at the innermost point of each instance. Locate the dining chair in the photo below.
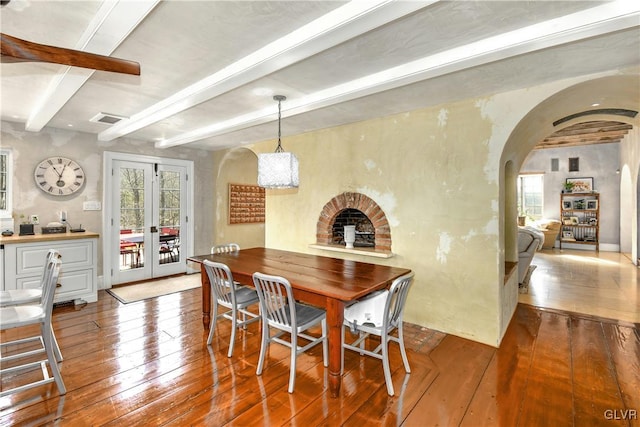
(225, 249)
(35, 314)
(227, 294)
(11, 297)
(392, 310)
(280, 311)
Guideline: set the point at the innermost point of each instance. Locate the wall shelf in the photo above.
(370, 252)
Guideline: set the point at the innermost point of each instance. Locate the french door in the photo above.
(148, 231)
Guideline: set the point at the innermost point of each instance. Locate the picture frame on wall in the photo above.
(581, 185)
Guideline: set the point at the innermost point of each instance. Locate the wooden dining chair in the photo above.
(225, 249)
(13, 297)
(280, 311)
(36, 314)
(392, 310)
(235, 298)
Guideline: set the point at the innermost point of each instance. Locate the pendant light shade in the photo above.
(278, 169)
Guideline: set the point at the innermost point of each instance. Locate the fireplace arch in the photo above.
(358, 201)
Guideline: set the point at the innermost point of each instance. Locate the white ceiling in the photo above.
(209, 69)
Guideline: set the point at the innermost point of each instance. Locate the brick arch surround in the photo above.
(362, 203)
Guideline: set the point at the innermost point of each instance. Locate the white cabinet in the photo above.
(24, 262)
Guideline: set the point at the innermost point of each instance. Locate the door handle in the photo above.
(154, 229)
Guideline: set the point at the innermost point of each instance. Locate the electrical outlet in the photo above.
(35, 219)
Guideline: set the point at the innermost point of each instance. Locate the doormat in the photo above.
(155, 288)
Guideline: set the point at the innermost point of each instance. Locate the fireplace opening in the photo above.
(372, 227)
(365, 233)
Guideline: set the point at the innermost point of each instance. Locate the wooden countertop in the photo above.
(36, 238)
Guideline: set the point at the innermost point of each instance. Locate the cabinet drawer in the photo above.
(76, 254)
(73, 284)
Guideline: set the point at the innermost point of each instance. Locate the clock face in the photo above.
(59, 176)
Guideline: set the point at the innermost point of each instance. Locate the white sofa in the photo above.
(530, 240)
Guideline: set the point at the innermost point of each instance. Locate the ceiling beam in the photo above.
(599, 20)
(107, 30)
(344, 23)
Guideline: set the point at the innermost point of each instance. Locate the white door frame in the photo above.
(108, 159)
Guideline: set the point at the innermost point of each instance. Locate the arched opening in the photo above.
(354, 202)
(614, 92)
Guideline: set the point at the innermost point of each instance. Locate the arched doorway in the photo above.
(615, 92)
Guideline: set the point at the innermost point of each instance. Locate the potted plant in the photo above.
(568, 187)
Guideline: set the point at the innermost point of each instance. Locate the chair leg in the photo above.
(294, 354)
(342, 350)
(47, 335)
(234, 326)
(385, 364)
(263, 345)
(56, 347)
(325, 344)
(212, 325)
(403, 352)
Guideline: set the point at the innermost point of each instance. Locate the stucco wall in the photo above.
(30, 148)
(239, 166)
(438, 173)
(629, 172)
(437, 182)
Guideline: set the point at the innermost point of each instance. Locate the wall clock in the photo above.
(59, 176)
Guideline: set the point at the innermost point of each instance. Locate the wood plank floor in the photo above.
(147, 363)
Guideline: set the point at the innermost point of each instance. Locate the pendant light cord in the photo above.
(279, 98)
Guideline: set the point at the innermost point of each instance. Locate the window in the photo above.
(6, 166)
(530, 195)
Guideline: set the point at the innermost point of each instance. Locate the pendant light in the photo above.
(278, 169)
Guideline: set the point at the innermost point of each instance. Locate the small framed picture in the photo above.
(581, 185)
(567, 234)
(567, 204)
(566, 220)
(574, 220)
(592, 205)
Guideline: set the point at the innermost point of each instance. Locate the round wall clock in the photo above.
(59, 176)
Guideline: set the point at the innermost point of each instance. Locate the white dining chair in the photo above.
(358, 316)
(33, 314)
(280, 311)
(235, 298)
(225, 249)
(11, 297)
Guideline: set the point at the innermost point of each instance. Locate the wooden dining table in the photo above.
(330, 283)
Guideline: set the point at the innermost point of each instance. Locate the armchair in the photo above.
(550, 228)
(530, 240)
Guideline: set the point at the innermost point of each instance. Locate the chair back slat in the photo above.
(225, 249)
(221, 280)
(49, 283)
(276, 298)
(396, 300)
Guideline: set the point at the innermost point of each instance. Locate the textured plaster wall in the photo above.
(599, 162)
(239, 166)
(30, 148)
(629, 172)
(437, 183)
(438, 174)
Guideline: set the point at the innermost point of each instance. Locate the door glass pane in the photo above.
(131, 218)
(169, 214)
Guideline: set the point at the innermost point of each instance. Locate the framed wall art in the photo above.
(581, 185)
(246, 204)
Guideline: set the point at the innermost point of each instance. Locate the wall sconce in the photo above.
(278, 169)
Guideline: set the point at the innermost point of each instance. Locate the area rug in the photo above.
(155, 288)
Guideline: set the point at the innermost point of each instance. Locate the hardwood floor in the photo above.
(147, 363)
(603, 284)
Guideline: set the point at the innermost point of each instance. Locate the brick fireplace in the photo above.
(354, 209)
